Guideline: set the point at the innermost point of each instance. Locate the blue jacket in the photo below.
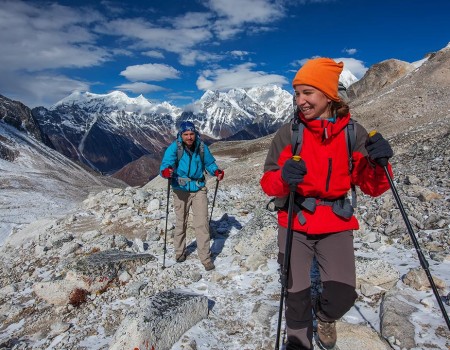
(189, 175)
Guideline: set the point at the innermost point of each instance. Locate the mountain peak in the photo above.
(347, 78)
(117, 100)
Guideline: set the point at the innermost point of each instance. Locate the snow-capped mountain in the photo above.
(241, 113)
(116, 100)
(108, 132)
(347, 78)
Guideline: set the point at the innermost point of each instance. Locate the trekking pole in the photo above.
(214, 200)
(423, 261)
(167, 217)
(287, 257)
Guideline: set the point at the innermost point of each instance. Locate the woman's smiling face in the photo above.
(312, 102)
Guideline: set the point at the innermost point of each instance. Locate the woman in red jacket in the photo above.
(323, 221)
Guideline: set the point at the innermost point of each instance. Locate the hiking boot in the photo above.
(181, 258)
(209, 266)
(326, 333)
(292, 346)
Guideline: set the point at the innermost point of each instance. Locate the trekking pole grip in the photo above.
(293, 188)
(382, 161)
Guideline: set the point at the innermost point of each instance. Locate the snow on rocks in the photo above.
(90, 274)
(160, 321)
(396, 310)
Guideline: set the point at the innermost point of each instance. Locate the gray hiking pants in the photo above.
(336, 262)
(182, 202)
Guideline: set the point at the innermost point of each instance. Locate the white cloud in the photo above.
(239, 54)
(190, 58)
(145, 35)
(237, 12)
(180, 34)
(150, 72)
(355, 66)
(236, 16)
(139, 87)
(37, 37)
(240, 76)
(153, 54)
(176, 96)
(350, 51)
(36, 40)
(113, 8)
(298, 63)
(43, 38)
(191, 20)
(39, 89)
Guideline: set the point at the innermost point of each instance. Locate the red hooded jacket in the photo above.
(324, 151)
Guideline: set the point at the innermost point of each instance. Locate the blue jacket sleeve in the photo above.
(210, 161)
(169, 158)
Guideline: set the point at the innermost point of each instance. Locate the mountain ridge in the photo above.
(109, 132)
(113, 133)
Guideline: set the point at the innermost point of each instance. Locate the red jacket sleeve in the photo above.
(271, 181)
(371, 178)
(367, 175)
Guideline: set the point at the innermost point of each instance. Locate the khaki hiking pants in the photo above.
(182, 202)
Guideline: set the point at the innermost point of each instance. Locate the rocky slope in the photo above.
(411, 100)
(37, 181)
(41, 308)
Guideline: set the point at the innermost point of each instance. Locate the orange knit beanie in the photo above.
(321, 73)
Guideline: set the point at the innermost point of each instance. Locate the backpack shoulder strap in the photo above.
(180, 151)
(297, 136)
(350, 139)
(201, 151)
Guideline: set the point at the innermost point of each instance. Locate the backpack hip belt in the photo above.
(340, 206)
(184, 180)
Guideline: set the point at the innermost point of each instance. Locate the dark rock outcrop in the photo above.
(18, 115)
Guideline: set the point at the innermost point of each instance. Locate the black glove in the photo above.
(379, 149)
(293, 171)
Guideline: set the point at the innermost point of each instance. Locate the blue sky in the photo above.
(176, 50)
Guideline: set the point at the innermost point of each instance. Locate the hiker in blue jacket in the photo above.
(185, 162)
